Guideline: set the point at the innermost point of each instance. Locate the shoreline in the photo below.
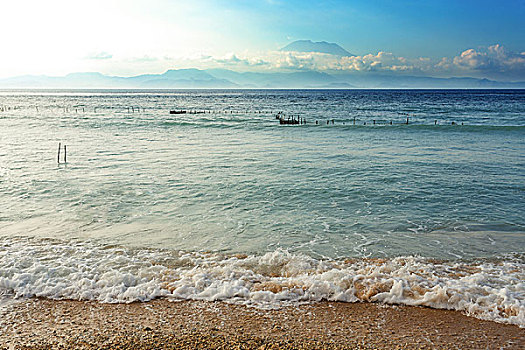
(50, 324)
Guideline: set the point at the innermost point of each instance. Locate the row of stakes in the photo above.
(77, 109)
(297, 120)
(132, 109)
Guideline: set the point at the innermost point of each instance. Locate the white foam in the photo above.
(87, 271)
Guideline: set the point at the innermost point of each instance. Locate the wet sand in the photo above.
(160, 324)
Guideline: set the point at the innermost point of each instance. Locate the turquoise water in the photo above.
(240, 182)
(233, 181)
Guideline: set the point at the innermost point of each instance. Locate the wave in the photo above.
(488, 289)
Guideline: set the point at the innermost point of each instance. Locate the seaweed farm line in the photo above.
(284, 118)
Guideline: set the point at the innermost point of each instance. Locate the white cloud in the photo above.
(494, 58)
(382, 61)
(145, 58)
(233, 60)
(293, 61)
(102, 55)
(229, 59)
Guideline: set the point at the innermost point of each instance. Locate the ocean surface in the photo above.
(225, 203)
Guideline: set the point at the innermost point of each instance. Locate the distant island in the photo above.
(229, 79)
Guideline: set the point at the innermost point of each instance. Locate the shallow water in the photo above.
(234, 181)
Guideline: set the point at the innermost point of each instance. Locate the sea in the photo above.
(404, 197)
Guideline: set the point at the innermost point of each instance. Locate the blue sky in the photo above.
(424, 27)
(149, 36)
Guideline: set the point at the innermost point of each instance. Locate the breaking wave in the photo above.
(488, 289)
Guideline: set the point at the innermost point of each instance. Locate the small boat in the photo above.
(289, 121)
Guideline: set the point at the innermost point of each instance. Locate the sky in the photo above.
(129, 37)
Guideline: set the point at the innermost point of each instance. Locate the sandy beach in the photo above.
(161, 324)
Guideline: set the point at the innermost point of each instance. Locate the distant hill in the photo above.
(320, 46)
(180, 79)
(171, 79)
(383, 81)
(295, 80)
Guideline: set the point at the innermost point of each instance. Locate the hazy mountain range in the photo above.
(223, 78)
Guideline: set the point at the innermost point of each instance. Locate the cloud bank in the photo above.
(491, 61)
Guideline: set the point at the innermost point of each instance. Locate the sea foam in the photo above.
(487, 289)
